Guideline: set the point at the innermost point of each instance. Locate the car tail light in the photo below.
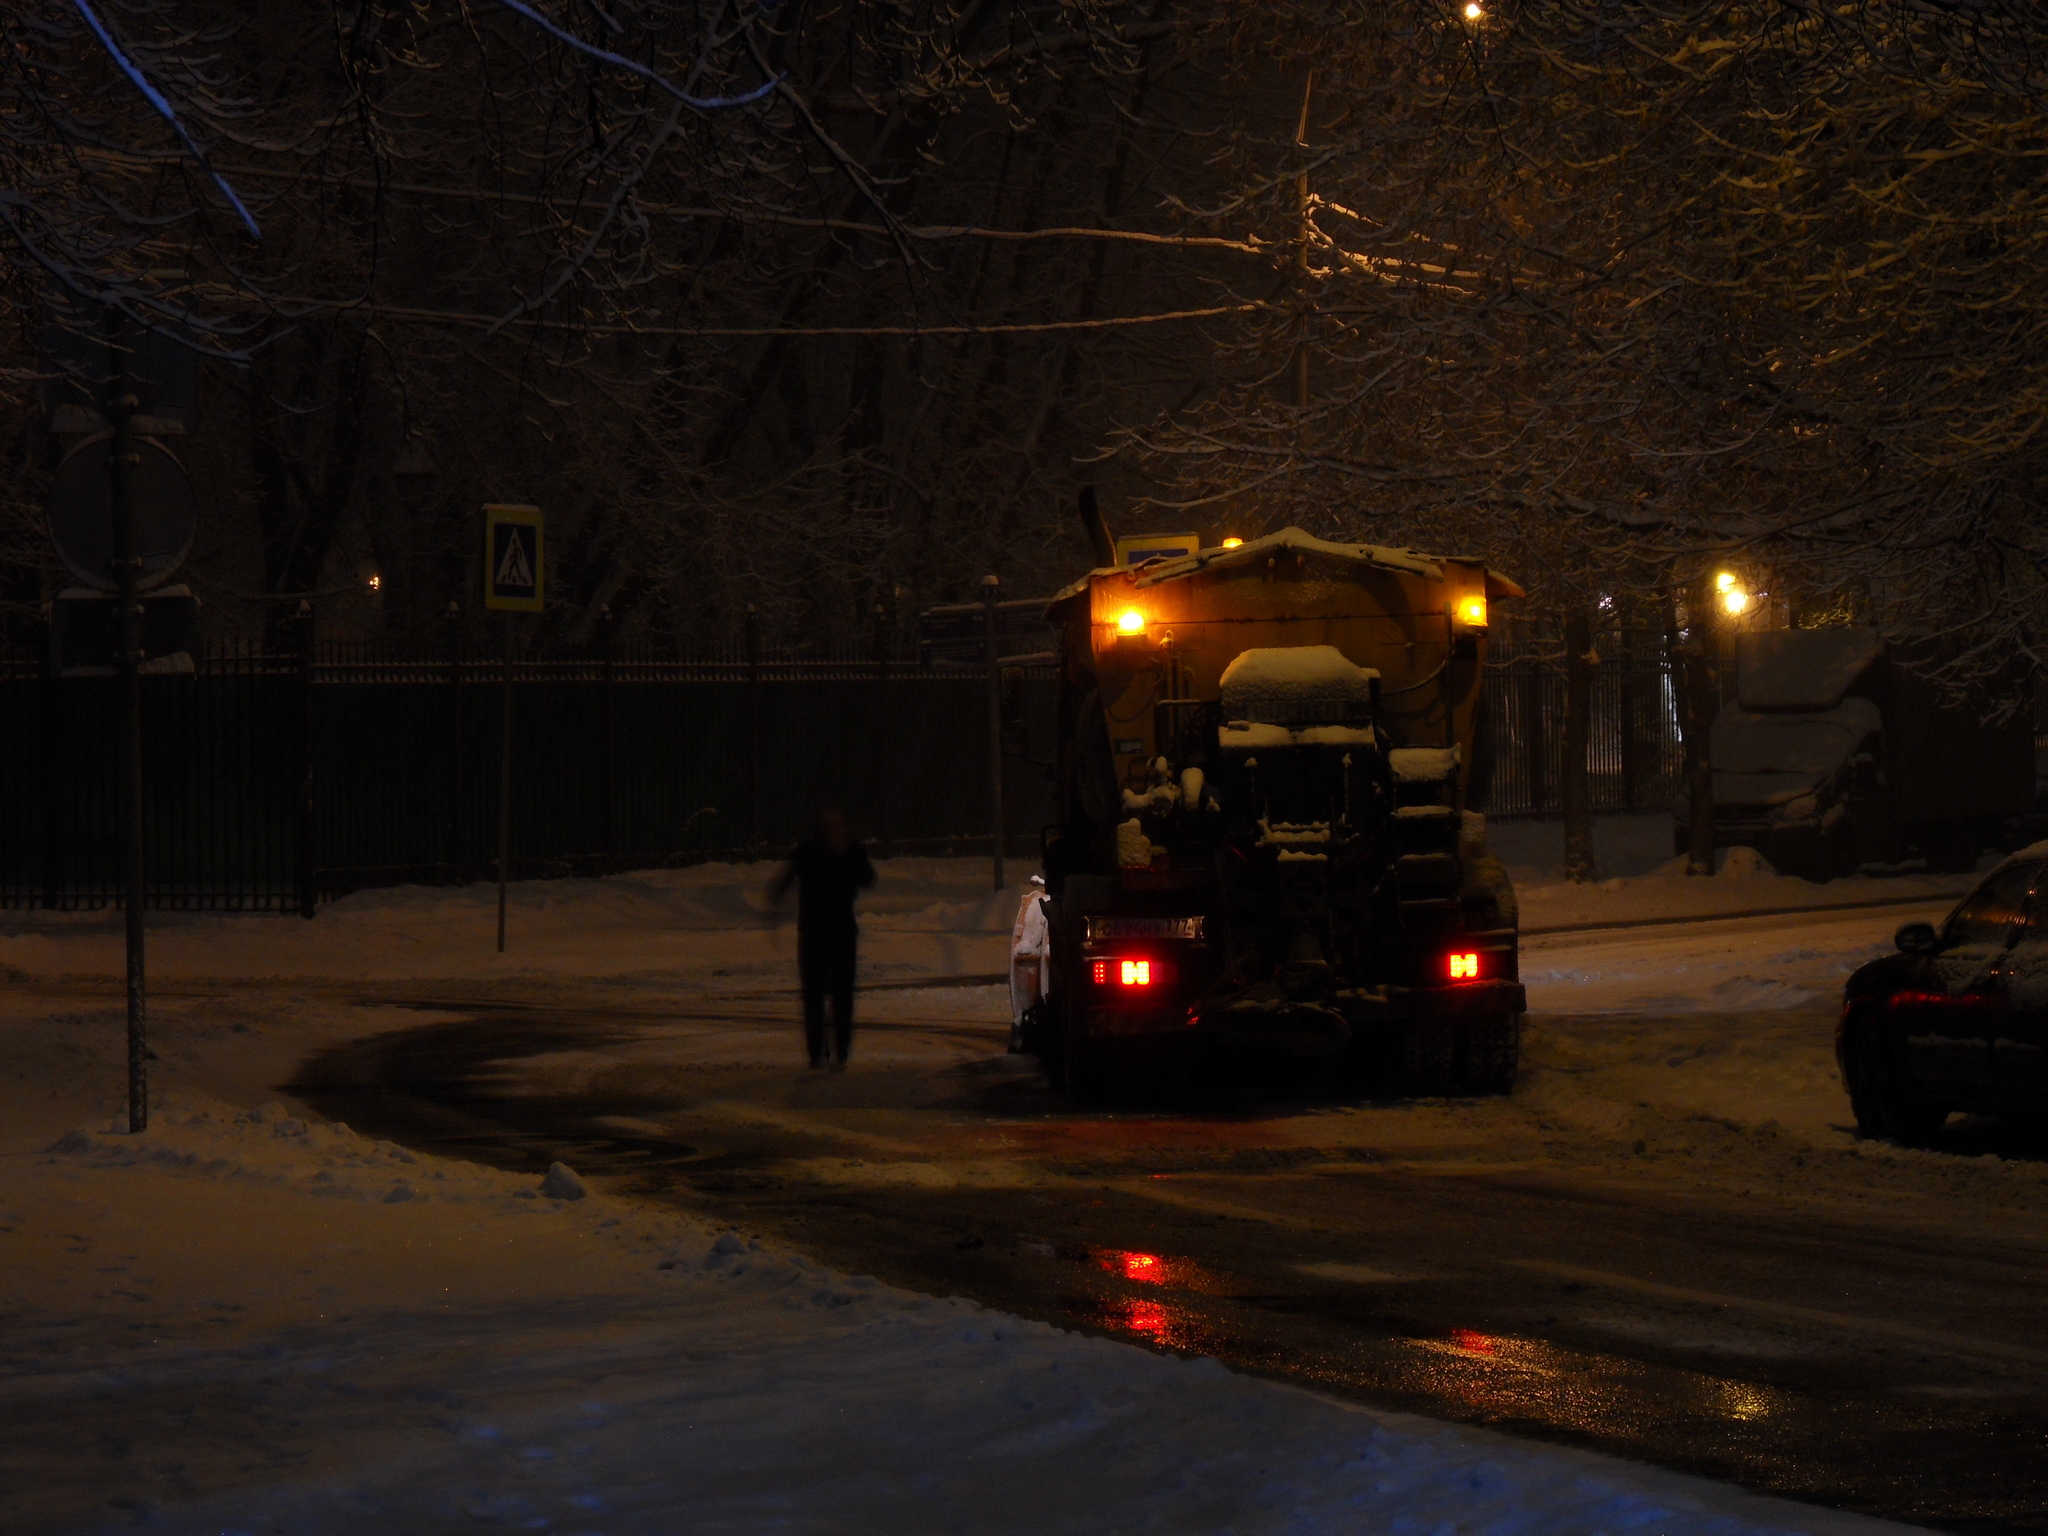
(1123, 973)
(1465, 967)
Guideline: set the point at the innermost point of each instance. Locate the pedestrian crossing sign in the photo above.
(513, 578)
(1137, 548)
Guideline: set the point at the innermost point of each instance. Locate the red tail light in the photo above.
(1465, 967)
(1123, 973)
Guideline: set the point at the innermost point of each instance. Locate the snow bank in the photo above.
(1645, 881)
(707, 925)
(1744, 882)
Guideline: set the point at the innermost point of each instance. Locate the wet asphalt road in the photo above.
(1862, 1356)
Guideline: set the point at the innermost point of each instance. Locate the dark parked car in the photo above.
(1958, 1018)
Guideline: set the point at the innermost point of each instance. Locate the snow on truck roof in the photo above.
(1379, 556)
(1288, 685)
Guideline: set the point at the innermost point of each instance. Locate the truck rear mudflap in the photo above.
(1318, 1027)
(1458, 1039)
(1322, 1026)
(1466, 1000)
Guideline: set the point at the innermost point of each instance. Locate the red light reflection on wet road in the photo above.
(1136, 1266)
(1163, 1269)
(1163, 1325)
(1146, 1317)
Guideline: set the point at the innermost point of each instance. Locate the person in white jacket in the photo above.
(1029, 950)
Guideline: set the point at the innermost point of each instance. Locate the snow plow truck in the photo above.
(1262, 845)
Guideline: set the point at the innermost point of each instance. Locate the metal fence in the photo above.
(277, 781)
(1634, 757)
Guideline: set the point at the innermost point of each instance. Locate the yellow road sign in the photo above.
(514, 581)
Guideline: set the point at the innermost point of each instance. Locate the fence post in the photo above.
(990, 589)
(1532, 732)
(505, 783)
(309, 896)
(885, 721)
(51, 789)
(753, 640)
(451, 718)
(1698, 690)
(1631, 687)
(609, 744)
(1575, 790)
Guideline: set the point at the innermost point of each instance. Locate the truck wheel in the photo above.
(1041, 1024)
(1489, 1052)
(1428, 1056)
(1090, 1078)
(1076, 1066)
(1887, 1104)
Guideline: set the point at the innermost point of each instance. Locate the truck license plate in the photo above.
(1144, 928)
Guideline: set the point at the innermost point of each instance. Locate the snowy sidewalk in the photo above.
(705, 926)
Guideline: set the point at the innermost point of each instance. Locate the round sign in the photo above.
(164, 511)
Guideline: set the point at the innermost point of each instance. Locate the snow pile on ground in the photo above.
(242, 1321)
(1728, 967)
(1731, 1076)
(708, 926)
(705, 925)
(1641, 881)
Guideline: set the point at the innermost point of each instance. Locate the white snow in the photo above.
(1646, 882)
(1423, 765)
(562, 1183)
(707, 925)
(298, 1329)
(1407, 561)
(1295, 684)
(1252, 736)
(1287, 834)
(417, 1344)
(1335, 736)
(1735, 965)
(1766, 759)
(1133, 847)
(1801, 668)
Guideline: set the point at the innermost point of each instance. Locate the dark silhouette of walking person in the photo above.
(829, 869)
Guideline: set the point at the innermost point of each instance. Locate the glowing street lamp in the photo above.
(1474, 11)
(1734, 599)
